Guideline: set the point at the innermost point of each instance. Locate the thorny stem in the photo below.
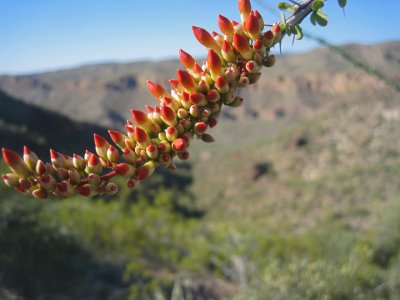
(303, 10)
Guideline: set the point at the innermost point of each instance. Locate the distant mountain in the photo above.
(38, 128)
(104, 94)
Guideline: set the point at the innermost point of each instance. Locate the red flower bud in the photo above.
(168, 115)
(94, 165)
(125, 170)
(15, 162)
(186, 80)
(225, 25)
(40, 194)
(227, 52)
(241, 44)
(88, 190)
(179, 145)
(212, 122)
(214, 63)
(79, 162)
(156, 90)
(112, 154)
(118, 138)
(11, 179)
(186, 59)
(269, 61)
(171, 133)
(141, 137)
(111, 188)
(205, 38)
(101, 145)
(198, 99)
(30, 158)
(200, 128)
(252, 26)
(244, 7)
(145, 171)
(152, 151)
(184, 155)
(141, 120)
(221, 85)
(276, 30)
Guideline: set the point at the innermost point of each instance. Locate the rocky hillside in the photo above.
(302, 84)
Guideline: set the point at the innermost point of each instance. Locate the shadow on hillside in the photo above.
(39, 261)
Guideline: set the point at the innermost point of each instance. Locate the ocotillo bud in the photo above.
(15, 162)
(212, 122)
(79, 162)
(152, 151)
(268, 38)
(164, 146)
(182, 113)
(111, 188)
(205, 38)
(227, 52)
(112, 154)
(129, 156)
(125, 170)
(252, 67)
(221, 85)
(243, 81)
(94, 179)
(156, 90)
(165, 158)
(241, 44)
(47, 182)
(168, 116)
(142, 120)
(207, 138)
(141, 137)
(88, 190)
(244, 8)
(184, 155)
(194, 110)
(218, 38)
(171, 133)
(214, 63)
(101, 145)
(74, 176)
(65, 189)
(57, 159)
(225, 25)
(40, 194)
(94, 165)
(260, 19)
(118, 138)
(30, 158)
(251, 27)
(145, 171)
(11, 179)
(179, 145)
(62, 173)
(40, 167)
(24, 183)
(186, 80)
(186, 59)
(200, 128)
(213, 96)
(276, 30)
(198, 99)
(269, 61)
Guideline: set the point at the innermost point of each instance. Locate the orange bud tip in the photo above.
(10, 157)
(27, 151)
(186, 80)
(244, 6)
(225, 25)
(53, 154)
(186, 59)
(204, 38)
(155, 89)
(139, 117)
(99, 141)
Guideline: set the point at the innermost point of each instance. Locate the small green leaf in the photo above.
(317, 5)
(321, 18)
(285, 6)
(342, 3)
(298, 32)
(313, 18)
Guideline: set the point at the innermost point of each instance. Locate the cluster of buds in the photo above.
(164, 132)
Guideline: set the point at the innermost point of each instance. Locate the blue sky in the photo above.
(41, 35)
